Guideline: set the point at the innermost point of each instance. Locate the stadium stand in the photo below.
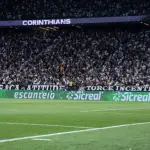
(40, 9)
(84, 55)
(89, 55)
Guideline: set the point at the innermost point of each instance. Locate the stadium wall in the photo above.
(77, 95)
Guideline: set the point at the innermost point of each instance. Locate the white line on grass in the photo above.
(43, 125)
(122, 113)
(16, 110)
(4, 109)
(114, 109)
(70, 132)
(35, 139)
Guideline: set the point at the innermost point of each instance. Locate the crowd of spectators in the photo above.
(40, 9)
(84, 56)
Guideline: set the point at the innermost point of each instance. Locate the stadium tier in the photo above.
(44, 9)
(86, 55)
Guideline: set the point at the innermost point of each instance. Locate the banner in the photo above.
(91, 20)
(31, 87)
(118, 88)
(77, 95)
(63, 87)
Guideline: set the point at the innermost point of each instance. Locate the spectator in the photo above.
(43, 9)
(88, 56)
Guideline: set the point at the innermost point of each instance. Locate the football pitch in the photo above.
(74, 125)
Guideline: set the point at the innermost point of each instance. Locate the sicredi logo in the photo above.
(81, 95)
(129, 96)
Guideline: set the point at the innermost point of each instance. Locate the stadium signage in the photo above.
(117, 88)
(64, 95)
(31, 87)
(77, 95)
(81, 95)
(87, 88)
(74, 21)
(131, 96)
(46, 22)
(34, 95)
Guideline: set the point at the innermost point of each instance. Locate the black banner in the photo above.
(117, 88)
(31, 87)
(87, 88)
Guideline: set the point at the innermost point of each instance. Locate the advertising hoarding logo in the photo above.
(132, 96)
(82, 95)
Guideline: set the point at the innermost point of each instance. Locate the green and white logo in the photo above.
(83, 95)
(130, 96)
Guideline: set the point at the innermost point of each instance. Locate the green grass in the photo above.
(74, 113)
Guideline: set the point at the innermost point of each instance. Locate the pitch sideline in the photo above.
(121, 109)
(44, 125)
(70, 132)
